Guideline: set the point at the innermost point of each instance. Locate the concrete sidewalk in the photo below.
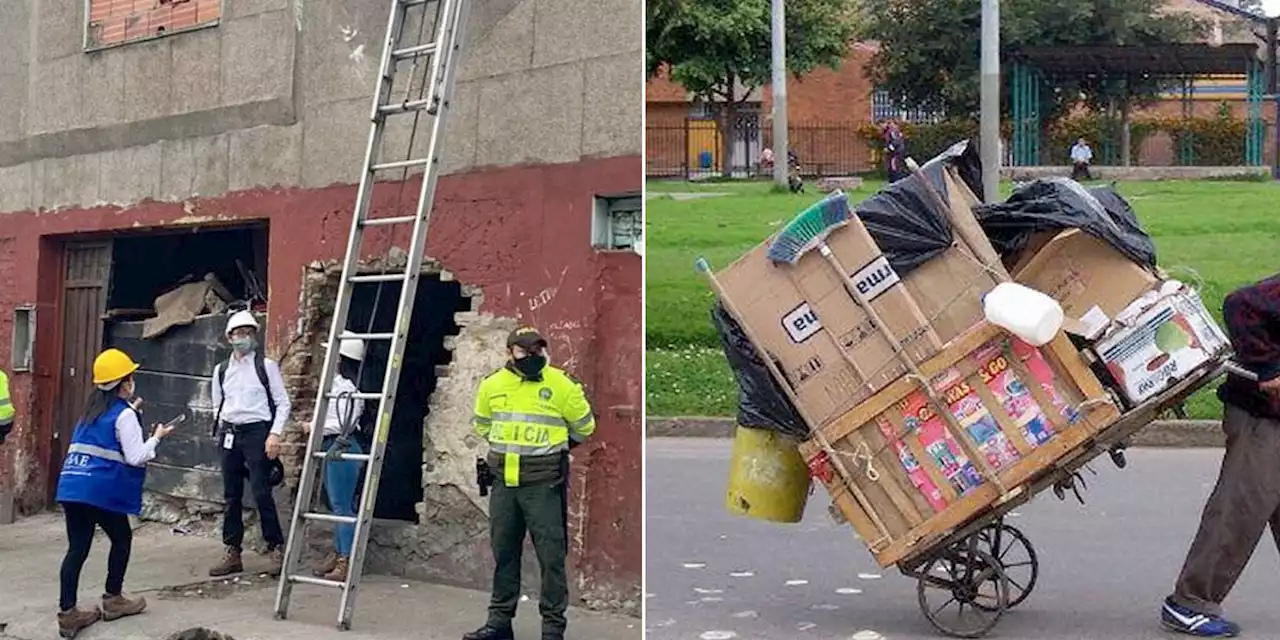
(169, 569)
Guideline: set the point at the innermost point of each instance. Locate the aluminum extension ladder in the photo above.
(437, 50)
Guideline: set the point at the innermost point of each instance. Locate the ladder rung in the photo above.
(410, 52)
(378, 222)
(377, 277)
(329, 517)
(319, 582)
(404, 107)
(401, 164)
(357, 457)
(359, 395)
(413, 3)
(367, 336)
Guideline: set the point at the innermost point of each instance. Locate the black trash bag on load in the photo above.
(911, 224)
(1061, 203)
(762, 404)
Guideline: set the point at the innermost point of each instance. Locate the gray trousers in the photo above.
(1245, 500)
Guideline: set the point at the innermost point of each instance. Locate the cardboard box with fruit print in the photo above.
(1161, 339)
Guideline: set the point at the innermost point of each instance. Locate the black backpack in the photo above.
(220, 372)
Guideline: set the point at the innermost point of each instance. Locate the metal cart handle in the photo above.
(1235, 369)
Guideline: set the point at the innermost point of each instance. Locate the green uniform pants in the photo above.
(539, 510)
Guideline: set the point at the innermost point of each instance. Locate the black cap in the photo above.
(527, 337)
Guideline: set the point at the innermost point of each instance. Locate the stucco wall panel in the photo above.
(197, 71)
(148, 79)
(546, 128)
(257, 58)
(560, 27)
(265, 157)
(102, 93)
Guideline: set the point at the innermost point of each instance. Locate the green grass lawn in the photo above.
(1216, 234)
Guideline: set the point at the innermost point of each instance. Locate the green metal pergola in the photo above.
(1035, 69)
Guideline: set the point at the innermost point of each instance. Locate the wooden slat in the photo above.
(888, 459)
(886, 479)
(902, 387)
(930, 466)
(1010, 428)
(1042, 398)
(1064, 358)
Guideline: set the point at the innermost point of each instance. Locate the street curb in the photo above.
(1162, 433)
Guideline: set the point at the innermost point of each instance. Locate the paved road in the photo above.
(1104, 566)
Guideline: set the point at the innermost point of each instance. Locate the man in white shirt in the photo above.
(1081, 156)
(252, 408)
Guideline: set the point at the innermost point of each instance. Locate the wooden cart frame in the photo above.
(970, 567)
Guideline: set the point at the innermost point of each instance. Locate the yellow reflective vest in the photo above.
(6, 402)
(529, 423)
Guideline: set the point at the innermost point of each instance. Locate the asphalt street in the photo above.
(1104, 566)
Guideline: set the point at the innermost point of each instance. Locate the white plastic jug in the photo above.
(1032, 316)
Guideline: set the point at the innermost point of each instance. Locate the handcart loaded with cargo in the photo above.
(935, 363)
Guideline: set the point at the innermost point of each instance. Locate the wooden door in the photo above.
(86, 276)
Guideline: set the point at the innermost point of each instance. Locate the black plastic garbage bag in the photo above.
(762, 403)
(1061, 203)
(909, 218)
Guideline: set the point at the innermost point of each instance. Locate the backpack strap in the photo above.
(219, 376)
(260, 364)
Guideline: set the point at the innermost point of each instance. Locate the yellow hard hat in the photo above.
(112, 365)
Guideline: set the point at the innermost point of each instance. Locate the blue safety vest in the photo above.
(95, 472)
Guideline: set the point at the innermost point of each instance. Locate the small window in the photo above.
(618, 224)
(112, 23)
(24, 337)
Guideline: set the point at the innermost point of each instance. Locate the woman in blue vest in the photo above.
(100, 486)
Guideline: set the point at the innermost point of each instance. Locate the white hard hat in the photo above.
(351, 348)
(241, 319)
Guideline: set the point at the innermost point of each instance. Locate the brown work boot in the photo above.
(326, 566)
(118, 606)
(230, 564)
(339, 571)
(71, 623)
(276, 559)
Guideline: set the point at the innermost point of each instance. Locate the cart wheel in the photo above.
(1017, 557)
(952, 583)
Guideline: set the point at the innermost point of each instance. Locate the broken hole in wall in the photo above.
(143, 267)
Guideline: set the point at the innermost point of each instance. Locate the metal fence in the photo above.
(695, 149)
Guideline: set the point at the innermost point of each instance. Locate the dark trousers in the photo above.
(247, 458)
(82, 519)
(539, 510)
(1080, 170)
(1245, 500)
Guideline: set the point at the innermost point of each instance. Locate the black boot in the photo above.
(490, 633)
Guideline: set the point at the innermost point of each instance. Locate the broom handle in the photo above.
(846, 476)
(939, 406)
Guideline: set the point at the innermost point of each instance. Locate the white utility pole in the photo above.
(780, 164)
(990, 127)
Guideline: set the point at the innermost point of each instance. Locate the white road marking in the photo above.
(848, 591)
(869, 576)
(796, 583)
(718, 635)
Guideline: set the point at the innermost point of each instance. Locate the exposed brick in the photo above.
(117, 21)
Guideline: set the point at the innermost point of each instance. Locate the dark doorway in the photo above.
(146, 266)
(400, 489)
(86, 276)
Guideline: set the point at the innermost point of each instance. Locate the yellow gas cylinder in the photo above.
(767, 477)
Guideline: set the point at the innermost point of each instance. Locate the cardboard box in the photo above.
(1081, 272)
(1165, 344)
(826, 345)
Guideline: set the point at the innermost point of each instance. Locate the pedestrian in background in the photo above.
(101, 486)
(531, 413)
(1246, 498)
(1081, 158)
(252, 408)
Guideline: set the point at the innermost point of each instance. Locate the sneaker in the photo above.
(326, 566)
(71, 623)
(1183, 620)
(490, 633)
(118, 606)
(230, 564)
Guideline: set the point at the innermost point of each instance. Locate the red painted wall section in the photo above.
(522, 234)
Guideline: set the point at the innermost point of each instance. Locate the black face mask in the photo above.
(531, 366)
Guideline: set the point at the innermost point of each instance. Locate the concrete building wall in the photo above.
(264, 117)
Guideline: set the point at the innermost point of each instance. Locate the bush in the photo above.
(1213, 142)
(924, 141)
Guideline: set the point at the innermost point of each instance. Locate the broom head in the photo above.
(810, 228)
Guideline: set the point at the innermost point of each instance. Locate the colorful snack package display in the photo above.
(1012, 393)
(1040, 372)
(919, 478)
(966, 405)
(920, 418)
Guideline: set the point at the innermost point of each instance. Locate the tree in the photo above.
(929, 49)
(720, 50)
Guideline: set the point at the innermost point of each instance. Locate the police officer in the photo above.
(6, 407)
(100, 486)
(532, 414)
(252, 408)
